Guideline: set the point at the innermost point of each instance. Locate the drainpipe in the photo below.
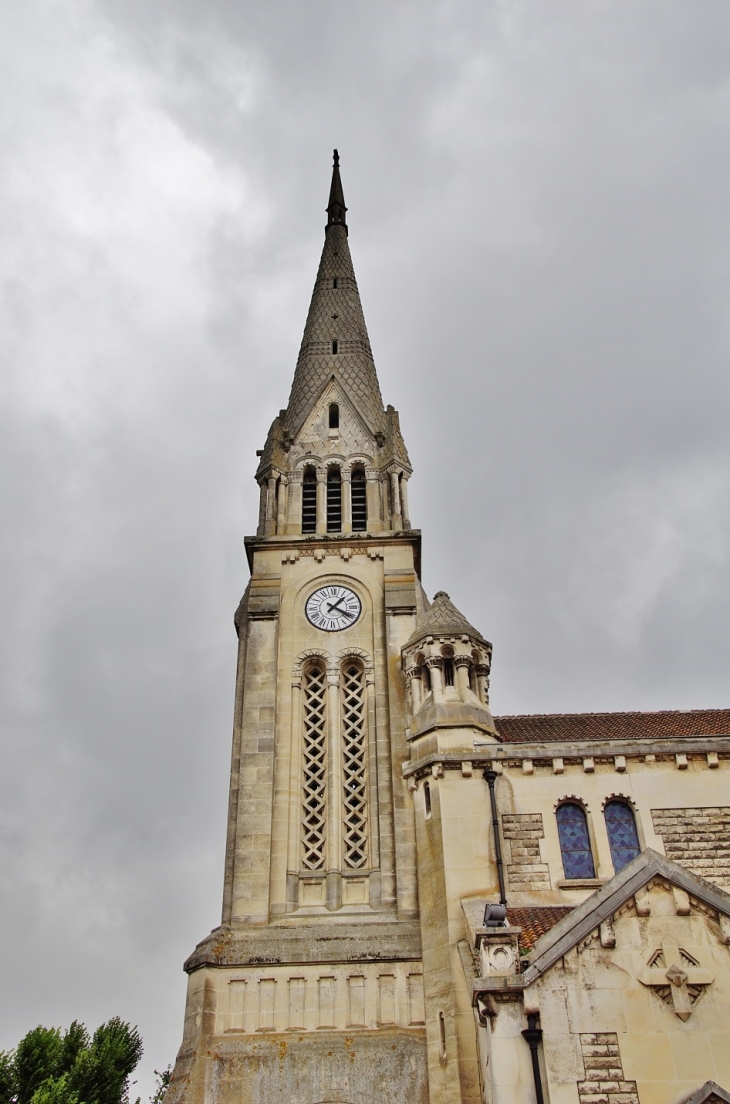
(489, 777)
(533, 1038)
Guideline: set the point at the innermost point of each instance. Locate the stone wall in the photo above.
(522, 833)
(604, 1083)
(698, 838)
(360, 1068)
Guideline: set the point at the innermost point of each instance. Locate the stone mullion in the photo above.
(334, 810)
(345, 475)
(321, 500)
(373, 813)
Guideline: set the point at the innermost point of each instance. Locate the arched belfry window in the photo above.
(314, 767)
(334, 499)
(309, 501)
(575, 842)
(359, 500)
(623, 839)
(354, 766)
(334, 416)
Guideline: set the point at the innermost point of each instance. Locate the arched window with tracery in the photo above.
(575, 841)
(354, 765)
(314, 767)
(623, 838)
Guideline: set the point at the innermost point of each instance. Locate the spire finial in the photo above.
(336, 209)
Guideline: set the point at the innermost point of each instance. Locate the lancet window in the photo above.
(623, 839)
(309, 501)
(314, 762)
(359, 501)
(354, 772)
(334, 499)
(575, 842)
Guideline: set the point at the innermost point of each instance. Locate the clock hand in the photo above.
(336, 606)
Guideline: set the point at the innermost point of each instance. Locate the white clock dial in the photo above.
(333, 608)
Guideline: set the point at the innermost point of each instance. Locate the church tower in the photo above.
(422, 903)
(312, 987)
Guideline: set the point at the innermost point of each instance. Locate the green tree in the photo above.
(53, 1067)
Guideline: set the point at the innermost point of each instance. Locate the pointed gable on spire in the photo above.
(335, 342)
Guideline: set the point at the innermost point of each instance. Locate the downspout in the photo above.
(533, 1037)
(489, 777)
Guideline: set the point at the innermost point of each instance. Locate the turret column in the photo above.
(321, 500)
(294, 507)
(435, 666)
(281, 505)
(482, 673)
(404, 502)
(396, 521)
(271, 505)
(262, 509)
(372, 490)
(413, 674)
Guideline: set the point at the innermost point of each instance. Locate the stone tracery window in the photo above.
(314, 755)
(623, 839)
(354, 766)
(575, 843)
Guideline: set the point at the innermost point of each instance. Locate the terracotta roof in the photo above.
(535, 921)
(566, 727)
(442, 618)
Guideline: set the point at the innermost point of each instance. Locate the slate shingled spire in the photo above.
(335, 342)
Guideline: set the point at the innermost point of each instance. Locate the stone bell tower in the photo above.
(311, 989)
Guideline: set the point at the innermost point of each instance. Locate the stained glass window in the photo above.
(575, 843)
(622, 835)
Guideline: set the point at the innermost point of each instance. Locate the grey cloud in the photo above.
(538, 203)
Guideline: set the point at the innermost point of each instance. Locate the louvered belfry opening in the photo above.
(309, 501)
(354, 779)
(359, 501)
(314, 777)
(334, 499)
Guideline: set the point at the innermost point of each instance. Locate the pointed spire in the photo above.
(335, 342)
(336, 210)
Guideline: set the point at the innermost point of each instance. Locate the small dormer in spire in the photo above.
(336, 210)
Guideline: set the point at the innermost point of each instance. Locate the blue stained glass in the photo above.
(622, 835)
(575, 843)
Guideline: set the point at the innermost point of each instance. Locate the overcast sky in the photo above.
(538, 199)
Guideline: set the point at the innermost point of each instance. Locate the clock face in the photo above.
(333, 608)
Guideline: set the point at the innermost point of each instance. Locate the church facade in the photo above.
(423, 903)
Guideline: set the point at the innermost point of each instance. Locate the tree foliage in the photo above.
(50, 1066)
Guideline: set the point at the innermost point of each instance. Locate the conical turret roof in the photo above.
(335, 343)
(443, 619)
